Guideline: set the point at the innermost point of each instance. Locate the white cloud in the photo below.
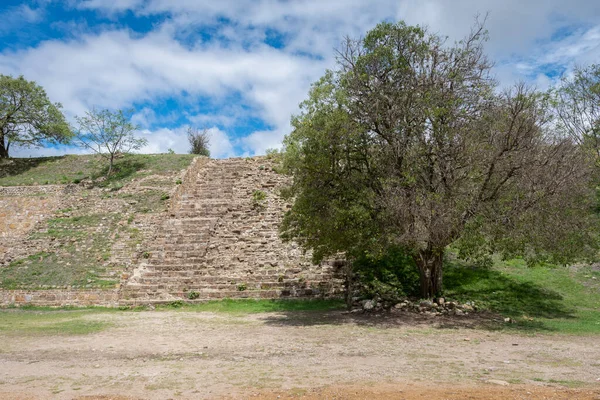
(144, 118)
(220, 145)
(14, 18)
(114, 69)
(258, 142)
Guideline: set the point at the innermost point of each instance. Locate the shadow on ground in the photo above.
(504, 294)
(500, 295)
(122, 169)
(17, 166)
(385, 319)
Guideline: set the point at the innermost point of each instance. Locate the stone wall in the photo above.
(23, 206)
(22, 209)
(51, 298)
(35, 190)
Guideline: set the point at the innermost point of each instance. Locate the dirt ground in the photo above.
(189, 355)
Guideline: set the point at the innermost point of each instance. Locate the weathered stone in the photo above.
(240, 252)
(498, 382)
(368, 305)
(426, 304)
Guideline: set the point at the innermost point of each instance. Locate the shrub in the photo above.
(389, 276)
(199, 141)
(193, 295)
(258, 196)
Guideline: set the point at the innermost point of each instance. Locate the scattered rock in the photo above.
(498, 382)
(368, 305)
(438, 307)
(426, 304)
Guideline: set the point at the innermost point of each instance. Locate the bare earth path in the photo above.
(188, 355)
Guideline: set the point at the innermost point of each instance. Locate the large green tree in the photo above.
(27, 117)
(408, 144)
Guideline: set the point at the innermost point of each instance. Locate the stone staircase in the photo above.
(220, 240)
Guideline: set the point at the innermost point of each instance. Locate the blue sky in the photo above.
(239, 68)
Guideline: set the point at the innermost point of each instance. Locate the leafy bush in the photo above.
(193, 295)
(199, 141)
(258, 197)
(390, 276)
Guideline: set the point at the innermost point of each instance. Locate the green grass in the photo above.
(72, 168)
(51, 323)
(544, 298)
(250, 306)
(30, 321)
(149, 200)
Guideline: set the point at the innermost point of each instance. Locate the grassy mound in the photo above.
(73, 169)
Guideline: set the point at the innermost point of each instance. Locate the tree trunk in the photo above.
(110, 166)
(348, 283)
(430, 263)
(3, 148)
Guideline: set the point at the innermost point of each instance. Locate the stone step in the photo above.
(215, 239)
(139, 297)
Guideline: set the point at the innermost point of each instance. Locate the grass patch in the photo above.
(250, 306)
(39, 323)
(79, 260)
(568, 383)
(46, 170)
(148, 201)
(75, 168)
(545, 298)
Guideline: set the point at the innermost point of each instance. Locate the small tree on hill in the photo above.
(27, 117)
(107, 133)
(199, 141)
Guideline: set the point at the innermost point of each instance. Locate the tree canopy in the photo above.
(407, 143)
(577, 105)
(27, 117)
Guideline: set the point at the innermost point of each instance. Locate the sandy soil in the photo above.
(186, 355)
